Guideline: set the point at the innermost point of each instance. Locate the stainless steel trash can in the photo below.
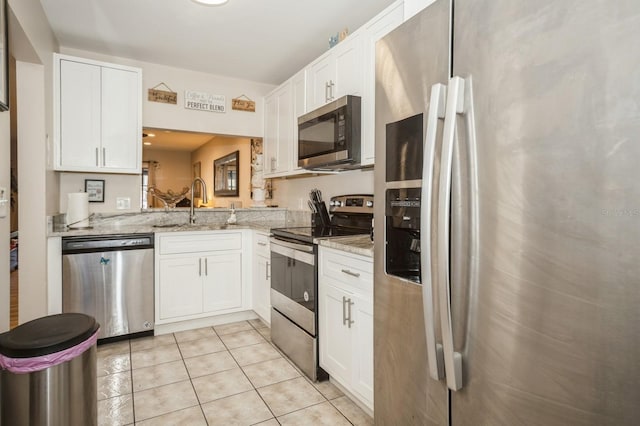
(48, 372)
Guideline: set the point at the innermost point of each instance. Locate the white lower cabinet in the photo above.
(345, 321)
(198, 274)
(261, 277)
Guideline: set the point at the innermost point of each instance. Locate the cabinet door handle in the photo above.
(349, 320)
(326, 91)
(344, 310)
(348, 272)
(97, 163)
(267, 275)
(273, 163)
(206, 267)
(331, 85)
(104, 157)
(200, 267)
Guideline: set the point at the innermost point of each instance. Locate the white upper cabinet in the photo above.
(336, 73)
(299, 88)
(98, 110)
(411, 7)
(346, 69)
(377, 28)
(278, 131)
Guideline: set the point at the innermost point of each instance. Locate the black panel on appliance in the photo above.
(404, 140)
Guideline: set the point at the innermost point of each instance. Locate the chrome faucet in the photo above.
(192, 213)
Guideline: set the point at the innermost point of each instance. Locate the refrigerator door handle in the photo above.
(435, 359)
(455, 105)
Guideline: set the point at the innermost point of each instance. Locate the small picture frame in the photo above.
(95, 189)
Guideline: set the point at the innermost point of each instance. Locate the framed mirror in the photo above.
(225, 175)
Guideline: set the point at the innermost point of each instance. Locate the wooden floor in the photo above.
(13, 300)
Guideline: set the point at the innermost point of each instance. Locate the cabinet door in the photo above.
(222, 284)
(262, 287)
(320, 76)
(270, 148)
(278, 131)
(285, 129)
(121, 129)
(79, 142)
(362, 341)
(349, 67)
(180, 286)
(335, 336)
(299, 96)
(375, 30)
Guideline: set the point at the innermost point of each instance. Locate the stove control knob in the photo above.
(369, 203)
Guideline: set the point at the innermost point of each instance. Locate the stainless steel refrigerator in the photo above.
(507, 220)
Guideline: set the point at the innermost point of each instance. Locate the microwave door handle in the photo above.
(435, 357)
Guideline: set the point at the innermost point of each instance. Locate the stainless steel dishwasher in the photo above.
(110, 277)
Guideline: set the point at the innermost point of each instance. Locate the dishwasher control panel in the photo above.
(106, 242)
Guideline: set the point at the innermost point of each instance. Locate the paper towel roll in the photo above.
(78, 210)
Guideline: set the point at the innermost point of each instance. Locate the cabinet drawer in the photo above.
(346, 268)
(261, 245)
(187, 243)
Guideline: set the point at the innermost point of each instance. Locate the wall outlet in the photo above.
(123, 203)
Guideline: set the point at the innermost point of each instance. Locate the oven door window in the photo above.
(294, 278)
(319, 136)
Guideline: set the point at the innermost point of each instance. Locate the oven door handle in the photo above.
(294, 246)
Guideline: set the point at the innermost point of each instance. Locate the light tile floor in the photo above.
(224, 375)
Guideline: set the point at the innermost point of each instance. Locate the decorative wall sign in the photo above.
(95, 189)
(163, 96)
(203, 101)
(243, 104)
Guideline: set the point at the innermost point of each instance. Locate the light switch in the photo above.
(4, 202)
(123, 203)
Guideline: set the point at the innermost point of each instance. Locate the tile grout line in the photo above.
(254, 387)
(191, 379)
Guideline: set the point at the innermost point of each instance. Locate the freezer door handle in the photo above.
(455, 105)
(436, 112)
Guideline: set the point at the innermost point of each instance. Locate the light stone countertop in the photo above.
(147, 229)
(178, 221)
(357, 244)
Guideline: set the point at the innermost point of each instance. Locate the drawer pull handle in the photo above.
(344, 310)
(348, 272)
(262, 243)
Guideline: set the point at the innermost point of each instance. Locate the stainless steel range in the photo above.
(294, 276)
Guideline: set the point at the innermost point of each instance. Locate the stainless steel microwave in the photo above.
(329, 137)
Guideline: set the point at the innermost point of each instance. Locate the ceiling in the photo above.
(259, 40)
(173, 140)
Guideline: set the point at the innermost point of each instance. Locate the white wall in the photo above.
(293, 193)
(31, 41)
(32, 212)
(165, 116)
